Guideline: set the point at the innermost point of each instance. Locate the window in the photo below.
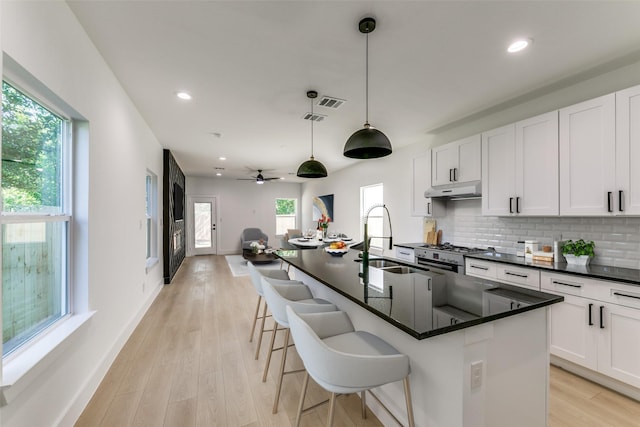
(36, 217)
(151, 212)
(369, 196)
(286, 210)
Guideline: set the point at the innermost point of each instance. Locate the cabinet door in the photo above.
(498, 171)
(442, 164)
(572, 337)
(537, 165)
(627, 196)
(587, 157)
(421, 182)
(619, 344)
(468, 162)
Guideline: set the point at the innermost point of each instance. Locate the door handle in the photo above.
(590, 318)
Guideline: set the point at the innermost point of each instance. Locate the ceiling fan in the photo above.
(260, 179)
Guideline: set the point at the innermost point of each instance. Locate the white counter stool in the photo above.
(280, 296)
(342, 360)
(256, 278)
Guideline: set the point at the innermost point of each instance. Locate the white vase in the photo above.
(577, 260)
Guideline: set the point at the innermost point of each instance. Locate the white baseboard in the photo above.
(86, 392)
(596, 377)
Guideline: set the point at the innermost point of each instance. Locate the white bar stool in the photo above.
(256, 275)
(342, 360)
(279, 296)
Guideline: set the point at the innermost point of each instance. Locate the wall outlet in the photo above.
(476, 374)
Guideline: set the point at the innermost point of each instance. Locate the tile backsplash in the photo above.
(617, 239)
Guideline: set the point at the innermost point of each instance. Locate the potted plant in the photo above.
(578, 252)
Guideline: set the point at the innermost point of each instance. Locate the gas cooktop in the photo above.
(453, 248)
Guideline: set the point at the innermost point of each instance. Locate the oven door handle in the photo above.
(447, 267)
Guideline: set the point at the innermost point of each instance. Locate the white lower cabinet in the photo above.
(505, 273)
(591, 331)
(405, 254)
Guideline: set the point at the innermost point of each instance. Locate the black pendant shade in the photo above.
(367, 143)
(312, 168)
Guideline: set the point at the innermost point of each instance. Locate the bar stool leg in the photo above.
(332, 408)
(273, 340)
(284, 359)
(255, 318)
(363, 400)
(407, 396)
(264, 316)
(305, 384)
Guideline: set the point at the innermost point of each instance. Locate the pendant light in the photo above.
(369, 142)
(312, 168)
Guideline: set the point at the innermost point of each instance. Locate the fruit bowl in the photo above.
(336, 252)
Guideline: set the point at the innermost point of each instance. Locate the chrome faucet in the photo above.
(367, 240)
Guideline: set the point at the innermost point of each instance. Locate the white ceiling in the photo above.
(248, 65)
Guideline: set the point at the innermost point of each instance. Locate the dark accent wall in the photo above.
(173, 232)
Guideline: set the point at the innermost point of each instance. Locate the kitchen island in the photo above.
(485, 364)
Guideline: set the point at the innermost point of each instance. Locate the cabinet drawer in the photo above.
(405, 254)
(526, 277)
(628, 296)
(478, 268)
(568, 284)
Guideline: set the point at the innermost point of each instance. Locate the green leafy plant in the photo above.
(579, 247)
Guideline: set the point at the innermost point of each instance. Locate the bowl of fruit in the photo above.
(337, 248)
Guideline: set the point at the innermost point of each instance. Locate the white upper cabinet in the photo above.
(421, 182)
(587, 157)
(627, 189)
(456, 162)
(498, 171)
(520, 168)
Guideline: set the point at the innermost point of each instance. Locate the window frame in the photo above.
(376, 244)
(65, 216)
(295, 214)
(151, 217)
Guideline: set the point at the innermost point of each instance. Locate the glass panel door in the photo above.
(204, 226)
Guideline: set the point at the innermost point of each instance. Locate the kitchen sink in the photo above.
(399, 269)
(382, 263)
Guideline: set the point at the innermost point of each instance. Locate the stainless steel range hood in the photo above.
(455, 191)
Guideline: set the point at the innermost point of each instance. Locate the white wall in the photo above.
(45, 39)
(393, 171)
(243, 204)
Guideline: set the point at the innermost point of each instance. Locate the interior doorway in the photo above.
(203, 239)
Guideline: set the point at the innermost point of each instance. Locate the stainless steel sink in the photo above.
(399, 269)
(382, 263)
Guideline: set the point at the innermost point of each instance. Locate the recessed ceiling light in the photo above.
(282, 177)
(519, 45)
(218, 174)
(222, 158)
(184, 95)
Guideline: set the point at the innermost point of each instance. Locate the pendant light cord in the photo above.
(312, 128)
(366, 90)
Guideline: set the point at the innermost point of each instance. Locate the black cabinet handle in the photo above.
(450, 172)
(510, 204)
(590, 319)
(620, 207)
(555, 282)
(428, 208)
(609, 209)
(455, 174)
(517, 204)
(625, 295)
(602, 317)
(479, 267)
(508, 273)
(511, 306)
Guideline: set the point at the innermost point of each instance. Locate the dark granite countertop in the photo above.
(409, 245)
(417, 303)
(594, 271)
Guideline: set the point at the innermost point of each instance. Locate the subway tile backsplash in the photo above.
(617, 238)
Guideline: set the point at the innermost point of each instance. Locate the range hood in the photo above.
(465, 190)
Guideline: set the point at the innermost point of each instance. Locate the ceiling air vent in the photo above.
(331, 102)
(315, 117)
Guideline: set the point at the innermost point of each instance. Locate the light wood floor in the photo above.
(189, 363)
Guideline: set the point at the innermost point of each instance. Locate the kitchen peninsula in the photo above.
(487, 369)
